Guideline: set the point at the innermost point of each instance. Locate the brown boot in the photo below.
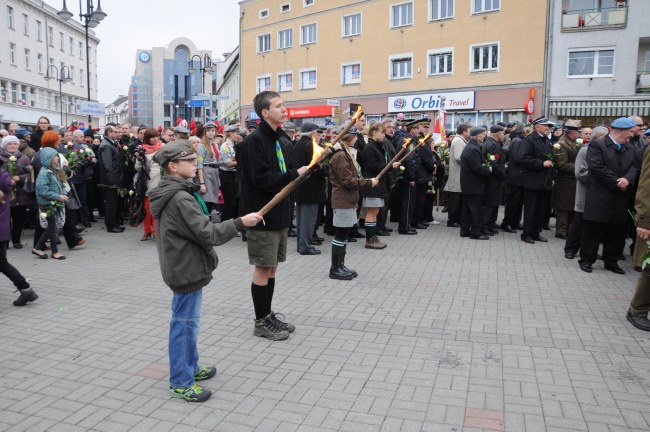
(374, 243)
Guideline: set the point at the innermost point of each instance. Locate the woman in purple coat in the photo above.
(19, 172)
(26, 293)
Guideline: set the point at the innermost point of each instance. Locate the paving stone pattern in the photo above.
(438, 333)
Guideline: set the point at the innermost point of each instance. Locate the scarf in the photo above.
(148, 149)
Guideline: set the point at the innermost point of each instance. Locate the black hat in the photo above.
(476, 131)
(251, 124)
(502, 124)
(418, 122)
(496, 128)
(173, 151)
(310, 127)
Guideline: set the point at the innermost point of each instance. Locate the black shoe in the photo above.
(316, 238)
(539, 238)
(18, 245)
(92, 220)
(115, 230)
(352, 240)
(420, 226)
(487, 233)
(561, 236)
(569, 255)
(340, 274)
(640, 322)
(492, 231)
(408, 232)
(292, 233)
(390, 230)
(383, 233)
(546, 227)
(310, 252)
(453, 224)
(357, 235)
(464, 235)
(638, 268)
(614, 268)
(479, 237)
(316, 242)
(518, 226)
(79, 229)
(528, 239)
(509, 229)
(585, 267)
(444, 209)
(87, 224)
(25, 297)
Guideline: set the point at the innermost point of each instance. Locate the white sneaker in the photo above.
(435, 222)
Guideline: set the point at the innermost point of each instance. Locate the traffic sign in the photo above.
(199, 103)
(201, 96)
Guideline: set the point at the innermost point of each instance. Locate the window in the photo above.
(81, 77)
(14, 93)
(646, 61)
(10, 18)
(479, 6)
(264, 13)
(263, 83)
(50, 36)
(81, 50)
(72, 74)
(401, 66)
(39, 31)
(61, 43)
(351, 73)
(71, 46)
(51, 62)
(441, 9)
(285, 81)
(307, 3)
(591, 63)
(27, 55)
(39, 61)
(285, 8)
(308, 34)
(285, 39)
(401, 15)
(441, 61)
(12, 53)
(352, 25)
(308, 79)
(264, 43)
(484, 57)
(25, 25)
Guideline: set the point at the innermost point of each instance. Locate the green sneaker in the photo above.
(195, 393)
(267, 328)
(279, 323)
(205, 373)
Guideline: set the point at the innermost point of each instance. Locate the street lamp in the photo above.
(61, 77)
(205, 65)
(90, 19)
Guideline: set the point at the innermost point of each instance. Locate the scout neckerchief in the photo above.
(278, 153)
(204, 208)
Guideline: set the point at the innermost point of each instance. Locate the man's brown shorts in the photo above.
(267, 248)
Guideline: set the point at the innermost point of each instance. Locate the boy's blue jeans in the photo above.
(183, 335)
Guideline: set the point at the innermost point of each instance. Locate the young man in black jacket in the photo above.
(264, 173)
(474, 173)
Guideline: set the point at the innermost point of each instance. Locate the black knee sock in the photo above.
(269, 295)
(259, 293)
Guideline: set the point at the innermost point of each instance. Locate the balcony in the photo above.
(594, 19)
(643, 82)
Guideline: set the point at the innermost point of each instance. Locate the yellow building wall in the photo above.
(519, 26)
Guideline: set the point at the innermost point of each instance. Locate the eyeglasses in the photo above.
(640, 125)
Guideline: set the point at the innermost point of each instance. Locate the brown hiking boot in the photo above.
(374, 243)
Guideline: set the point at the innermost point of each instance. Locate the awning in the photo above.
(617, 108)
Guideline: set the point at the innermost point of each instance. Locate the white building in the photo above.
(33, 38)
(117, 111)
(227, 76)
(599, 60)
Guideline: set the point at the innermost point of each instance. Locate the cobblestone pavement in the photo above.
(438, 333)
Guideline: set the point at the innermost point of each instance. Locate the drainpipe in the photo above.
(548, 47)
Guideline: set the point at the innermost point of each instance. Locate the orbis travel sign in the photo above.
(431, 102)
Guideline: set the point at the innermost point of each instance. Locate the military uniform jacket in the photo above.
(473, 173)
(564, 189)
(535, 149)
(643, 195)
(514, 172)
(604, 202)
(493, 196)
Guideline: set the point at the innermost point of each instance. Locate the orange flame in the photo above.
(424, 139)
(406, 143)
(356, 115)
(317, 152)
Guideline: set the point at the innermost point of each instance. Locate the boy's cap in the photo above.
(173, 151)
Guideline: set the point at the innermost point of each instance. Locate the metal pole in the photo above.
(61, 98)
(90, 119)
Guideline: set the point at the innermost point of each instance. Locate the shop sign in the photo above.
(431, 102)
(310, 111)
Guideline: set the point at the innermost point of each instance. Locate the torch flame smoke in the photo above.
(317, 151)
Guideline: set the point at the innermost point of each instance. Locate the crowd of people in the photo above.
(216, 178)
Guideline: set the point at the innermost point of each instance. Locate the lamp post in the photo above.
(205, 65)
(89, 19)
(61, 77)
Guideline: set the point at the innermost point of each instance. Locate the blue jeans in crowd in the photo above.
(183, 335)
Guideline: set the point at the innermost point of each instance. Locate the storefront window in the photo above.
(489, 118)
(464, 118)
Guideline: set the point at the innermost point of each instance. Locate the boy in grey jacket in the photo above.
(185, 241)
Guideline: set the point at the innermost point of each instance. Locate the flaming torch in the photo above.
(394, 159)
(319, 156)
(421, 142)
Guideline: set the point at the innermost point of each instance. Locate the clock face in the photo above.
(144, 57)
